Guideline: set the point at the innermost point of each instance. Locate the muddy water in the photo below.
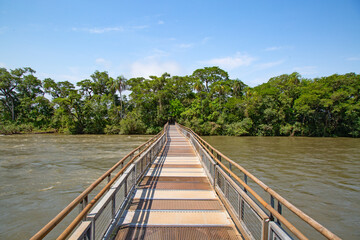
(41, 174)
(321, 176)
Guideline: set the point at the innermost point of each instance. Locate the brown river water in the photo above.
(321, 176)
(41, 174)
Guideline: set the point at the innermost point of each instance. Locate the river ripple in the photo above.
(41, 174)
(321, 176)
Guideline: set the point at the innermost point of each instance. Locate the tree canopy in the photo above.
(208, 101)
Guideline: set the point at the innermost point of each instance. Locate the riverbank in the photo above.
(11, 129)
(28, 129)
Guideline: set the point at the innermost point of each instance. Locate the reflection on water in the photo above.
(41, 174)
(321, 176)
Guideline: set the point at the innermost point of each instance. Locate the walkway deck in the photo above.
(175, 200)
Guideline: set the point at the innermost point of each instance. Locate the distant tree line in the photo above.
(207, 101)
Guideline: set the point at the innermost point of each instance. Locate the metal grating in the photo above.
(176, 185)
(146, 204)
(149, 179)
(176, 233)
(160, 165)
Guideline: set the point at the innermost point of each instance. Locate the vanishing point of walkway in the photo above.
(175, 199)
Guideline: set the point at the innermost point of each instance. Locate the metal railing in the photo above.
(109, 203)
(254, 217)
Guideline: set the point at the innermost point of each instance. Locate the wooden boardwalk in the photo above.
(175, 199)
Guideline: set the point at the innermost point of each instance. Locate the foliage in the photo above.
(208, 101)
(132, 124)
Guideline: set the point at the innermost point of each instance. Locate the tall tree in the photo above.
(209, 75)
(8, 95)
(119, 85)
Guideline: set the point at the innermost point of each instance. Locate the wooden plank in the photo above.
(176, 192)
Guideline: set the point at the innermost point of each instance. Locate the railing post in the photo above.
(245, 180)
(279, 207)
(92, 236)
(230, 167)
(134, 176)
(126, 186)
(82, 205)
(241, 209)
(109, 177)
(226, 186)
(142, 162)
(113, 210)
(215, 171)
(272, 205)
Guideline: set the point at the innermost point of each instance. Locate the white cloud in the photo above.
(100, 30)
(156, 54)
(269, 49)
(160, 22)
(148, 68)
(103, 63)
(205, 40)
(276, 48)
(96, 30)
(269, 65)
(139, 27)
(185, 45)
(229, 63)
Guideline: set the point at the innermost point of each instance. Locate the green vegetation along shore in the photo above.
(207, 101)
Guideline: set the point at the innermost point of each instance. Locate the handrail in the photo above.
(313, 223)
(60, 216)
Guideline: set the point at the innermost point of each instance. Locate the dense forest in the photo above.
(208, 101)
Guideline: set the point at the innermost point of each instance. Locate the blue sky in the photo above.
(252, 40)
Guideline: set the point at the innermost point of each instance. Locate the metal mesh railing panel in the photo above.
(103, 221)
(130, 181)
(138, 167)
(220, 181)
(119, 197)
(251, 220)
(211, 168)
(234, 198)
